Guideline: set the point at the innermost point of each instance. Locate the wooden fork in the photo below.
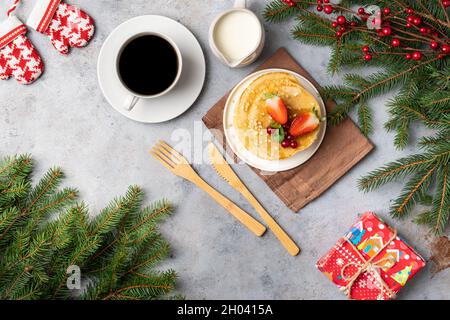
(179, 166)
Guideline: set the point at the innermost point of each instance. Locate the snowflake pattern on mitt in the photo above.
(18, 57)
(70, 27)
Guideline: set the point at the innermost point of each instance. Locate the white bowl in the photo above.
(251, 159)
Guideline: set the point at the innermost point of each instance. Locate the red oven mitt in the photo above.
(18, 57)
(65, 25)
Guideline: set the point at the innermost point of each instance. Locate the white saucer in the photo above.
(248, 157)
(173, 103)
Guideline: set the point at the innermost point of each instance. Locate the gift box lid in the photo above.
(372, 252)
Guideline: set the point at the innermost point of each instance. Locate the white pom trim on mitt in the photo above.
(10, 29)
(42, 14)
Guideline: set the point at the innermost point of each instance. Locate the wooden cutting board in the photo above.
(342, 148)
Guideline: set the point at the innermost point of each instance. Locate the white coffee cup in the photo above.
(252, 43)
(133, 97)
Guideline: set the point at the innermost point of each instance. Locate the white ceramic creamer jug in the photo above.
(237, 36)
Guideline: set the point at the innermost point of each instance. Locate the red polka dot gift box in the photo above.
(371, 262)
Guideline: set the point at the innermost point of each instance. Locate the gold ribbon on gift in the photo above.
(368, 266)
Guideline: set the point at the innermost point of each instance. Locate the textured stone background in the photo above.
(64, 120)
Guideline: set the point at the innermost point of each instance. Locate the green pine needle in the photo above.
(365, 119)
(440, 211)
(394, 170)
(413, 191)
(43, 231)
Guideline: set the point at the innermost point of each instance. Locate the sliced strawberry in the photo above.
(304, 123)
(276, 108)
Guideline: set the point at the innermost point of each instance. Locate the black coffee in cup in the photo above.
(148, 65)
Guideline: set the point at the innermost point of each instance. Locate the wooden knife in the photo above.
(224, 170)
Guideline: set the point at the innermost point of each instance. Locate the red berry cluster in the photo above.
(412, 21)
(289, 140)
(363, 14)
(327, 8)
(341, 23)
(290, 3)
(367, 55)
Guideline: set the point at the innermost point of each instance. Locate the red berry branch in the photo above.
(426, 33)
(394, 29)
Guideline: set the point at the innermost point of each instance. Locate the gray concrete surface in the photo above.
(64, 120)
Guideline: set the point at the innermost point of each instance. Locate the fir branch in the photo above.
(402, 135)
(139, 290)
(441, 203)
(36, 251)
(439, 139)
(16, 165)
(46, 186)
(7, 216)
(115, 212)
(387, 82)
(335, 59)
(338, 92)
(365, 119)
(77, 257)
(146, 219)
(412, 192)
(340, 112)
(159, 251)
(394, 170)
(422, 14)
(312, 38)
(277, 11)
(437, 102)
(423, 218)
